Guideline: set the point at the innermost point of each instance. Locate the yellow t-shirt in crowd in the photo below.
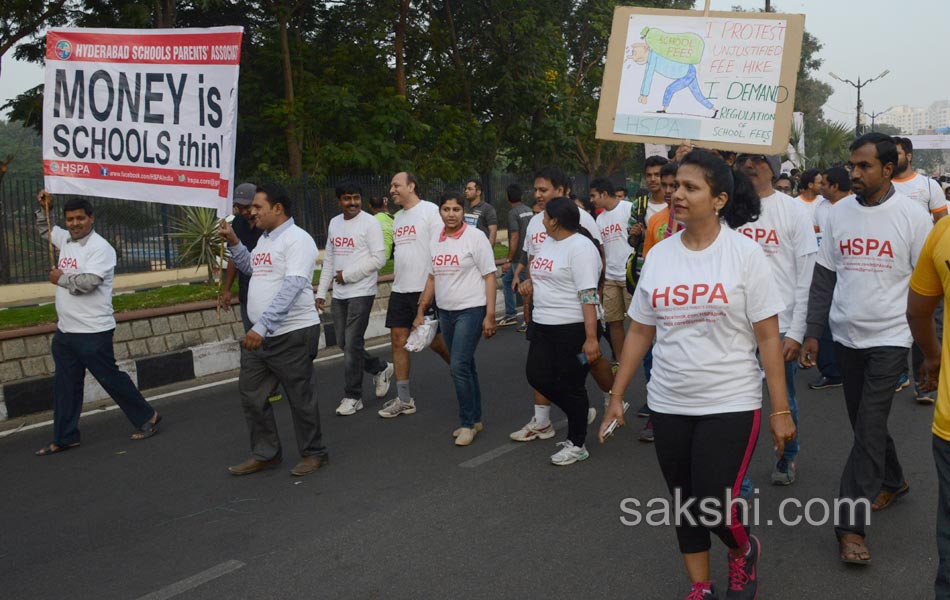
(932, 278)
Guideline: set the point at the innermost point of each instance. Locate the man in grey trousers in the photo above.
(868, 251)
(281, 344)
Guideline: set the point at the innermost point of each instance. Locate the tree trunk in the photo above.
(166, 14)
(4, 250)
(457, 57)
(400, 46)
(294, 153)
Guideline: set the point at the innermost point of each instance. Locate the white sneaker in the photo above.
(478, 428)
(591, 415)
(396, 407)
(569, 454)
(383, 379)
(349, 406)
(531, 431)
(465, 437)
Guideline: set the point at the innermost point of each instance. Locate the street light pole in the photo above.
(860, 84)
(876, 115)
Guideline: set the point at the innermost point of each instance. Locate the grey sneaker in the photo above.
(383, 380)
(349, 406)
(507, 321)
(783, 473)
(396, 407)
(569, 454)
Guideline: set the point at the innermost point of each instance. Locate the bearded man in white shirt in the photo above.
(83, 338)
(282, 343)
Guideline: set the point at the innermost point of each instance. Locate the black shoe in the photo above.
(644, 411)
(646, 434)
(823, 383)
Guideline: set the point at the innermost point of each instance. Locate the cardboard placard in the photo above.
(724, 81)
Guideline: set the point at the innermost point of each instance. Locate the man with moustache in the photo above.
(354, 254)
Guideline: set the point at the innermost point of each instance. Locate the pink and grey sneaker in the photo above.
(743, 582)
(703, 590)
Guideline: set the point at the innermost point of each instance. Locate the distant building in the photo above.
(913, 121)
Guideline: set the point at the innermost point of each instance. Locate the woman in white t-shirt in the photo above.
(708, 295)
(564, 277)
(462, 281)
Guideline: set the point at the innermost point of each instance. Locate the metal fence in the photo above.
(139, 231)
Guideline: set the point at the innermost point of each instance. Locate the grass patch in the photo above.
(15, 318)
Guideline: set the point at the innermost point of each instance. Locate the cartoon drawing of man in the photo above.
(673, 56)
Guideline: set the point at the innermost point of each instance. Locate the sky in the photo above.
(859, 40)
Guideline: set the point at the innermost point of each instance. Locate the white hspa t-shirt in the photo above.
(291, 253)
(536, 234)
(558, 272)
(821, 217)
(459, 265)
(703, 305)
(413, 229)
(613, 230)
(92, 312)
(785, 230)
(810, 207)
(873, 250)
(351, 244)
(653, 208)
(923, 190)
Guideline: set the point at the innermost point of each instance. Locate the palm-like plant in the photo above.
(828, 145)
(199, 243)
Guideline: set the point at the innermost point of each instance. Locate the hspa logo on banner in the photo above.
(142, 114)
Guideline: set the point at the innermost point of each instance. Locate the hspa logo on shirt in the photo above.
(343, 242)
(262, 258)
(614, 229)
(404, 231)
(682, 294)
(762, 236)
(445, 260)
(866, 247)
(68, 262)
(542, 264)
(538, 238)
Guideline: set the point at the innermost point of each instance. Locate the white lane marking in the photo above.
(500, 451)
(190, 583)
(196, 388)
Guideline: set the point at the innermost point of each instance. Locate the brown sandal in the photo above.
(886, 498)
(853, 550)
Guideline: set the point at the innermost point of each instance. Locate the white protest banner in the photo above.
(725, 81)
(930, 142)
(142, 114)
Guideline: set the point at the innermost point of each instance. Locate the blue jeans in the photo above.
(73, 353)
(511, 301)
(689, 81)
(792, 447)
(461, 330)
